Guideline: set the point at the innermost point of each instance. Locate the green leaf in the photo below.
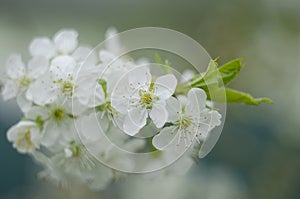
(221, 76)
(212, 66)
(230, 70)
(234, 96)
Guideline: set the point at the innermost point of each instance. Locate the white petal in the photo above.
(43, 91)
(37, 66)
(174, 109)
(66, 40)
(164, 138)
(62, 67)
(89, 129)
(15, 67)
(106, 56)
(89, 92)
(187, 75)
(159, 115)
(10, 90)
(138, 116)
(129, 127)
(24, 103)
(165, 86)
(17, 132)
(42, 47)
(196, 102)
(36, 136)
(37, 111)
(85, 55)
(120, 96)
(51, 134)
(139, 78)
(211, 118)
(112, 42)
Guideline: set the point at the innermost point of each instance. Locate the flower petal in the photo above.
(37, 111)
(174, 109)
(88, 91)
(37, 66)
(164, 138)
(10, 90)
(42, 46)
(62, 67)
(85, 55)
(43, 91)
(165, 86)
(112, 42)
(15, 67)
(196, 102)
(159, 115)
(24, 103)
(66, 40)
(211, 118)
(51, 134)
(139, 77)
(106, 56)
(138, 116)
(129, 127)
(187, 75)
(120, 96)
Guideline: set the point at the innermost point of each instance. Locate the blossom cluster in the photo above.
(65, 97)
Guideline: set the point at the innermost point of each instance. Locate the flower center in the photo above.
(24, 82)
(74, 149)
(58, 114)
(25, 140)
(184, 122)
(147, 99)
(67, 87)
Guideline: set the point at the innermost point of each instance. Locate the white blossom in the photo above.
(25, 135)
(189, 125)
(59, 81)
(64, 42)
(19, 76)
(139, 97)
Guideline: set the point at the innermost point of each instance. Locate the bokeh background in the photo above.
(257, 155)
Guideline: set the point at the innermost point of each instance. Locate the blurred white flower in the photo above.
(19, 76)
(56, 121)
(25, 135)
(64, 42)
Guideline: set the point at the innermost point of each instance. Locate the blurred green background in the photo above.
(257, 155)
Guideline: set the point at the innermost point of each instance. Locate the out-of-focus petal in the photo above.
(15, 67)
(42, 46)
(37, 66)
(66, 40)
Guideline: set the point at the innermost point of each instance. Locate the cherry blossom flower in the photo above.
(64, 42)
(25, 135)
(189, 125)
(138, 97)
